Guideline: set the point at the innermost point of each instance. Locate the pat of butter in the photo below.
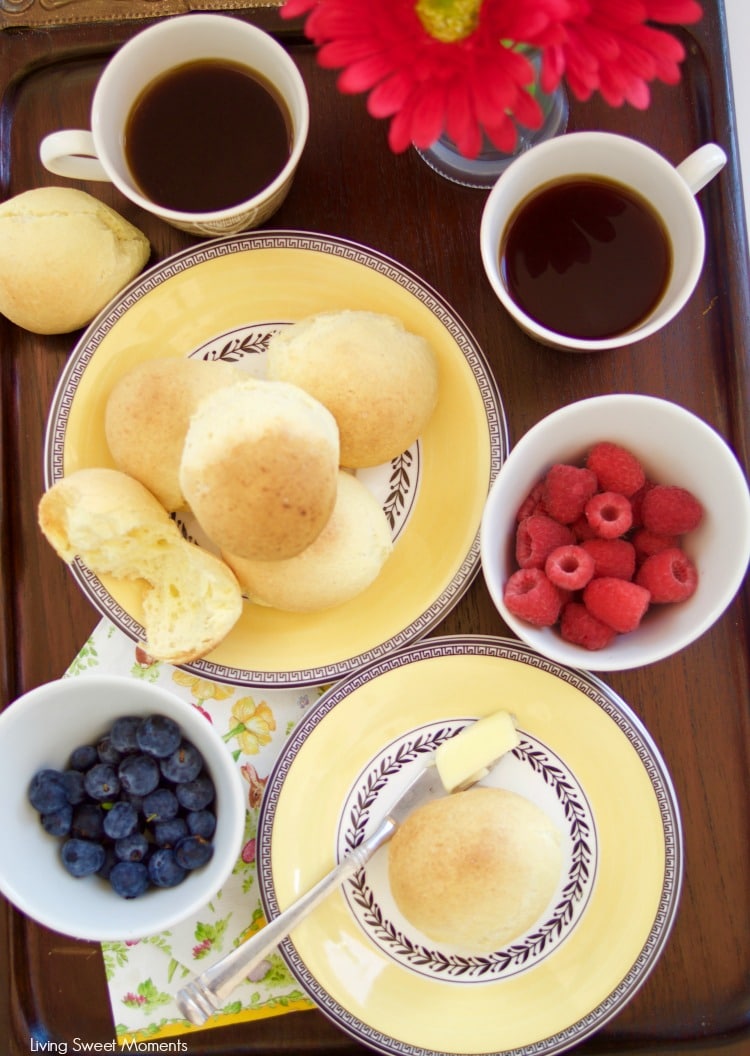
(466, 757)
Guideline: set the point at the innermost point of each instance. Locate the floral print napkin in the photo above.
(144, 977)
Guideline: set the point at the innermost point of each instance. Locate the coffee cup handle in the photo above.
(71, 153)
(702, 165)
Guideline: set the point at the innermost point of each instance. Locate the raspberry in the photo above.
(616, 468)
(616, 602)
(532, 597)
(647, 543)
(582, 529)
(536, 537)
(670, 510)
(636, 503)
(567, 489)
(569, 567)
(612, 557)
(532, 503)
(669, 575)
(579, 627)
(609, 514)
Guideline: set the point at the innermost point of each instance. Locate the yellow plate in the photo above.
(584, 758)
(221, 300)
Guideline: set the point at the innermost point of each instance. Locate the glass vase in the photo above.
(484, 170)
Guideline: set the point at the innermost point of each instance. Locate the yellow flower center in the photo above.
(449, 20)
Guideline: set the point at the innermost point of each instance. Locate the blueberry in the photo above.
(163, 869)
(139, 774)
(83, 757)
(169, 833)
(110, 860)
(47, 791)
(129, 879)
(201, 823)
(197, 794)
(82, 857)
(106, 751)
(133, 848)
(134, 799)
(120, 821)
(158, 735)
(88, 821)
(182, 765)
(101, 782)
(193, 852)
(75, 786)
(136, 807)
(160, 805)
(57, 823)
(122, 736)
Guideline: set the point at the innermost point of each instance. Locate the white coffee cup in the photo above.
(669, 189)
(100, 154)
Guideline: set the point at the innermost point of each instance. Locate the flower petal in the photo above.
(428, 116)
(389, 96)
(480, 81)
(674, 11)
(461, 123)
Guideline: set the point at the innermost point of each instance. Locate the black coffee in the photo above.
(206, 136)
(586, 257)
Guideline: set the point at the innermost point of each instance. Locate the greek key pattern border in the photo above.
(641, 742)
(341, 248)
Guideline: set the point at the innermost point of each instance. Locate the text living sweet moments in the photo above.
(79, 1045)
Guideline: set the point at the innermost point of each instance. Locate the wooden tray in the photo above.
(695, 704)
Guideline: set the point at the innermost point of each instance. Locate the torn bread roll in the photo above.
(147, 416)
(191, 599)
(63, 256)
(343, 561)
(260, 469)
(379, 380)
(475, 869)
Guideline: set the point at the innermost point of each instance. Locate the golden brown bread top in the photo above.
(379, 380)
(259, 469)
(147, 417)
(338, 565)
(63, 256)
(475, 869)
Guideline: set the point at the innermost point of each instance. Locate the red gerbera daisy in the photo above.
(457, 82)
(609, 46)
(459, 67)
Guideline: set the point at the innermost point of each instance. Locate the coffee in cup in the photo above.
(594, 240)
(193, 112)
(200, 119)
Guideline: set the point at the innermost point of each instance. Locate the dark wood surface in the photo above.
(697, 1000)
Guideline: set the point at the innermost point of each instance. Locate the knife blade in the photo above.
(494, 735)
(209, 991)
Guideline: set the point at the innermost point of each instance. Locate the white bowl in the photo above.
(39, 730)
(675, 447)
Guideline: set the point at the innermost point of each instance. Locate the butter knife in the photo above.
(208, 992)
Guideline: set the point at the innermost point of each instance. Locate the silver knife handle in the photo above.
(206, 994)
